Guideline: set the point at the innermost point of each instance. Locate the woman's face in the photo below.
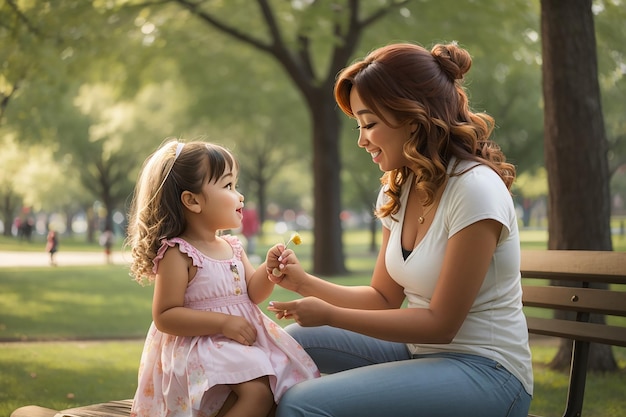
(383, 143)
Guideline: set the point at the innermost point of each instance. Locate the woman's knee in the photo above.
(303, 335)
(295, 403)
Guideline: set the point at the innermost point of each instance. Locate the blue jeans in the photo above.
(370, 377)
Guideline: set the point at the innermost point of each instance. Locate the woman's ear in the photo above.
(190, 202)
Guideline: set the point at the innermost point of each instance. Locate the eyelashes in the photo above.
(367, 126)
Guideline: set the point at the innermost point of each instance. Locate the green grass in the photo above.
(72, 302)
(604, 394)
(74, 335)
(63, 375)
(38, 244)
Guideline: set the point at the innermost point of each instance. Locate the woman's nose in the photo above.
(362, 140)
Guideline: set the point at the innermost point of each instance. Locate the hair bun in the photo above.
(453, 60)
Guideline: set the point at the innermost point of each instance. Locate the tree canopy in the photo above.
(101, 84)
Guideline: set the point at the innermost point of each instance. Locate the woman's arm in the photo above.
(465, 264)
(382, 293)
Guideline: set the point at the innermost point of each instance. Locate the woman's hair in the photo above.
(423, 87)
(156, 211)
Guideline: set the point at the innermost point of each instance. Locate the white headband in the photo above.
(179, 149)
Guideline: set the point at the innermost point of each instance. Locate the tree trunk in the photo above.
(575, 142)
(328, 256)
(9, 206)
(69, 220)
(373, 230)
(262, 199)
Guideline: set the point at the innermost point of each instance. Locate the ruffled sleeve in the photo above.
(235, 243)
(183, 246)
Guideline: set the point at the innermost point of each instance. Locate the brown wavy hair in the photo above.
(156, 211)
(423, 87)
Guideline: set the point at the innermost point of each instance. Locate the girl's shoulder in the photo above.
(183, 246)
(234, 243)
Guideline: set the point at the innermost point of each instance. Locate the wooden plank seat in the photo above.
(108, 409)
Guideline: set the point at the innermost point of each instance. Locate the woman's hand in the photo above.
(307, 312)
(292, 275)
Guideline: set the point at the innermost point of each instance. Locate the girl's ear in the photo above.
(190, 202)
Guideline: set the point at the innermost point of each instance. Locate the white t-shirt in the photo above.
(495, 326)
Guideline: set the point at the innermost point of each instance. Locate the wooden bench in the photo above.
(577, 271)
(577, 268)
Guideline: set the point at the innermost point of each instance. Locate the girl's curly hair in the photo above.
(156, 211)
(425, 88)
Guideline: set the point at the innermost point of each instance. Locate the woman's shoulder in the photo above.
(468, 172)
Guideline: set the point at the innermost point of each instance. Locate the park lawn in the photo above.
(94, 302)
(73, 336)
(61, 375)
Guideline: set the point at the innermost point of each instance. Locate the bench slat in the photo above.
(589, 266)
(569, 329)
(577, 299)
(111, 409)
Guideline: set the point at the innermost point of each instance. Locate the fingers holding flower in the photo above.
(272, 260)
(282, 265)
(289, 270)
(296, 240)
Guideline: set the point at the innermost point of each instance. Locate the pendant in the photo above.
(420, 220)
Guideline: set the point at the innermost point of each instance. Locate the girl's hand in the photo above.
(292, 275)
(239, 329)
(307, 312)
(272, 262)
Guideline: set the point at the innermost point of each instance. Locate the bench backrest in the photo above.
(575, 272)
(577, 269)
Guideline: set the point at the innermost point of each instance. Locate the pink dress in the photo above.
(188, 376)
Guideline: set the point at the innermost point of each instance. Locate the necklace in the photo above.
(420, 219)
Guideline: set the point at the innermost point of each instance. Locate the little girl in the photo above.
(210, 351)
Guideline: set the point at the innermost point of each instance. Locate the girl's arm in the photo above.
(465, 264)
(170, 316)
(259, 287)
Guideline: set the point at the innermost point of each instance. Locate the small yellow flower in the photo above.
(296, 239)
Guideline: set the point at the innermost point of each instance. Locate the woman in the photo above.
(450, 247)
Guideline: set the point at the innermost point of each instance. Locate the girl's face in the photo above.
(382, 142)
(221, 203)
